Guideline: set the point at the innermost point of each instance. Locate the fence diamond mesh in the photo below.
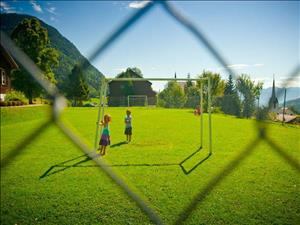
(60, 103)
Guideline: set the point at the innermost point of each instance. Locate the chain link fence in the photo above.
(60, 104)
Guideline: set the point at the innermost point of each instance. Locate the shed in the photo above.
(120, 90)
(7, 64)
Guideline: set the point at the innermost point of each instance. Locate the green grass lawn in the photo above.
(52, 182)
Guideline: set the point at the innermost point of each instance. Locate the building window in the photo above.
(3, 77)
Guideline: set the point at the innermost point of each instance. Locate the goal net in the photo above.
(137, 100)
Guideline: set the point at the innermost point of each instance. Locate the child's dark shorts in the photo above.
(105, 140)
(128, 131)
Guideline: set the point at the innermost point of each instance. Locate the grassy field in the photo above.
(52, 182)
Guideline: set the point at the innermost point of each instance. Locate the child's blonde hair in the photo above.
(107, 118)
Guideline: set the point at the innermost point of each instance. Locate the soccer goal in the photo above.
(203, 81)
(137, 100)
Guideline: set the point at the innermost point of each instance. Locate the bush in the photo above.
(217, 110)
(3, 103)
(161, 102)
(14, 96)
(89, 104)
(48, 102)
(263, 113)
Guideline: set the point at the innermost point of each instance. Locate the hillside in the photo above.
(295, 104)
(69, 54)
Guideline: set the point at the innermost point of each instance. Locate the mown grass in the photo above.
(40, 187)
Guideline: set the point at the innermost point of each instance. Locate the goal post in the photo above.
(206, 80)
(139, 98)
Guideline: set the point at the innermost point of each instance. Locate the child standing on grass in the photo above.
(105, 136)
(128, 126)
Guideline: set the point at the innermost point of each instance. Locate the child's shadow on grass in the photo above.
(118, 144)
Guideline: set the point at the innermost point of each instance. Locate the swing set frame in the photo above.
(103, 104)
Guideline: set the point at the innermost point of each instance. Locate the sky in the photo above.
(260, 39)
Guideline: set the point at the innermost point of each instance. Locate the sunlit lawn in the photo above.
(52, 182)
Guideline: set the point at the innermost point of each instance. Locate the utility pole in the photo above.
(283, 112)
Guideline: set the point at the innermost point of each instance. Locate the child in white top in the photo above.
(128, 126)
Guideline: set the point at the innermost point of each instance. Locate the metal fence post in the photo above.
(99, 111)
(104, 101)
(209, 114)
(201, 115)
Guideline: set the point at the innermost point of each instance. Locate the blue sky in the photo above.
(256, 38)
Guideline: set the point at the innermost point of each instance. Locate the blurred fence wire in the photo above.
(60, 104)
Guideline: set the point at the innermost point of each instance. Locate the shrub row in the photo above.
(12, 103)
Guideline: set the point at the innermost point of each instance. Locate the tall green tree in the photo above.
(230, 102)
(229, 86)
(193, 97)
(192, 93)
(77, 89)
(250, 92)
(33, 39)
(173, 96)
(188, 83)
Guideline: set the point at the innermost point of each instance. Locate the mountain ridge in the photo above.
(69, 54)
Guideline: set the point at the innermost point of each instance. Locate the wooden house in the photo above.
(7, 64)
(120, 90)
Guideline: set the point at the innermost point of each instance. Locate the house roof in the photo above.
(132, 74)
(8, 58)
(287, 118)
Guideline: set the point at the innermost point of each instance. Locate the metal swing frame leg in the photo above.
(209, 115)
(101, 110)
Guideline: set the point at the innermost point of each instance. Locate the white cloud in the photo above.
(258, 65)
(139, 4)
(5, 7)
(36, 7)
(238, 66)
(52, 10)
(235, 67)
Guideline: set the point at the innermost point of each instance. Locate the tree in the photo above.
(136, 70)
(230, 102)
(77, 89)
(32, 38)
(217, 87)
(188, 84)
(173, 96)
(250, 92)
(229, 86)
(193, 97)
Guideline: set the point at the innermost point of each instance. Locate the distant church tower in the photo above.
(273, 102)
